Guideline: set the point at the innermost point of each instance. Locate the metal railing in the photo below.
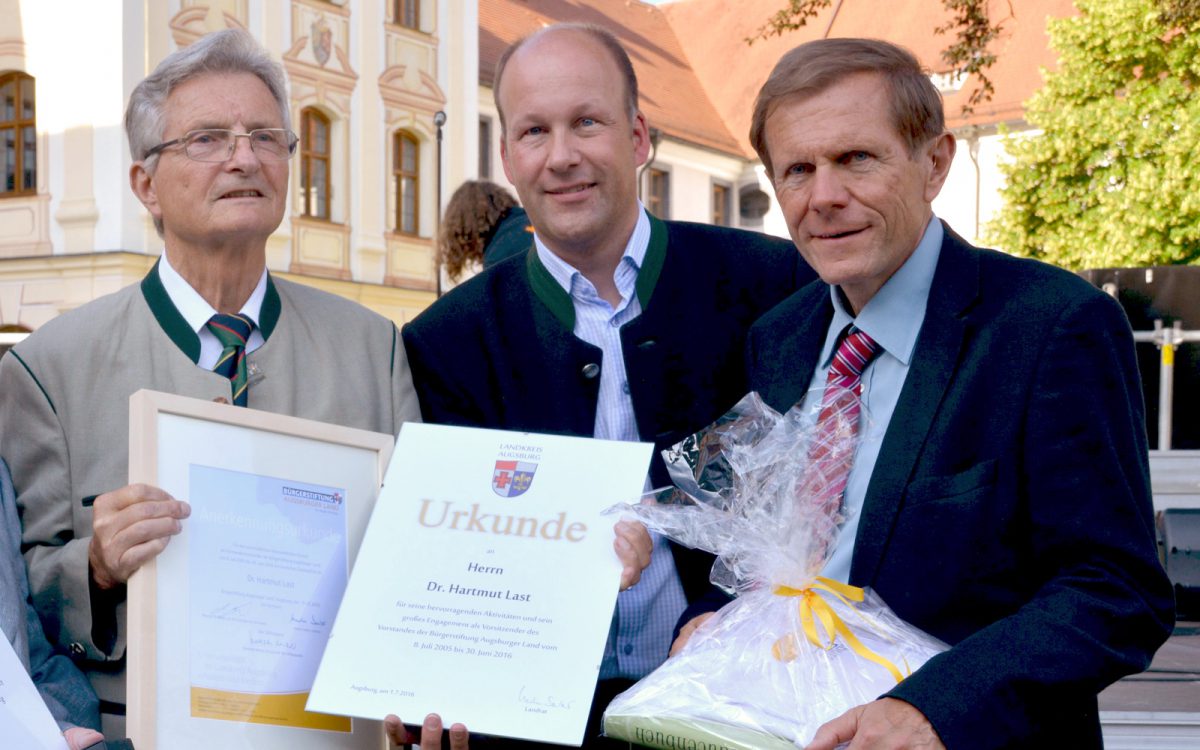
(1167, 340)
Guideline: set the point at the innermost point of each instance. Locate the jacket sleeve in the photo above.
(1102, 604)
(443, 395)
(33, 442)
(405, 406)
(64, 689)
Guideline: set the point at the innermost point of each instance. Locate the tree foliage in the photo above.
(1112, 179)
(969, 54)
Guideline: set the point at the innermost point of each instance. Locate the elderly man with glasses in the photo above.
(210, 140)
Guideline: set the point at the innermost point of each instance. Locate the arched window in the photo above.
(407, 13)
(314, 163)
(18, 135)
(406, 171)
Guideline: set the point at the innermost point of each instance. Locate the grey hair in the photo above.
(227, 51)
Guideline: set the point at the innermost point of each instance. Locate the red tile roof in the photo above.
(698, 77)
(672, 98)
(713, 33)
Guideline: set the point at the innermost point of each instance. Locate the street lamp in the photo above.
(439, 120)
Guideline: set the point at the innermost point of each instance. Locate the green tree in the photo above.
(1112, 179)
(974, 30)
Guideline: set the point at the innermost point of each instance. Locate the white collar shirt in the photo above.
(196, 311)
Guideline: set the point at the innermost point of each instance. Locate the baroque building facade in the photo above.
(366, 79)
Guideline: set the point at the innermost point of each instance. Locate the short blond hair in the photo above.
(600, 35)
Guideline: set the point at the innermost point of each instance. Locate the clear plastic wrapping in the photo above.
(793, 650)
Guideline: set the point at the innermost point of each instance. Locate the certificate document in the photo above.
(25, 722)
(486, 582)
(268, 568)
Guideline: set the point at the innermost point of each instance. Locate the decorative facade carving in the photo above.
(199, 17)
(411, 96)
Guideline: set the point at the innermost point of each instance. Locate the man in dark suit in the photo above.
(999, 497)
(612, 324)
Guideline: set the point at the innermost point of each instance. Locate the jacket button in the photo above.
(591, 370)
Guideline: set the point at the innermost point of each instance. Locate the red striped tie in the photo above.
(831, 453)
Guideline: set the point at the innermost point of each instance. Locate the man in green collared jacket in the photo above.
(612, 324)
(210, 139)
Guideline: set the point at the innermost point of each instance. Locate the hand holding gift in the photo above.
(794, 650)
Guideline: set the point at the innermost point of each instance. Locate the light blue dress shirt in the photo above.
(646, 614)
(893, 318)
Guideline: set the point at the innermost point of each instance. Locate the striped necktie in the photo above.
(831, 454)
(232, 331)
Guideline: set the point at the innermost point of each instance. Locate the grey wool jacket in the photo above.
(64, 421)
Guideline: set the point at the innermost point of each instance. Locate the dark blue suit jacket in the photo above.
(1009, 512)
(499, 351)
(512, 236)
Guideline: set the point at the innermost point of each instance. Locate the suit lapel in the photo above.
(935, 359)
(783, 363)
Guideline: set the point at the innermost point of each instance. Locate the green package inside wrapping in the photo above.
(667, 733)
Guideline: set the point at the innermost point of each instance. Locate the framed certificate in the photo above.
(228, 624)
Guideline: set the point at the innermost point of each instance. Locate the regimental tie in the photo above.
(232, 331)
(832, 452)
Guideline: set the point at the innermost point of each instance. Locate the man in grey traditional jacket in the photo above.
(210, 139)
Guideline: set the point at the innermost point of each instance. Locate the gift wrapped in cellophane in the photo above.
(762, 491)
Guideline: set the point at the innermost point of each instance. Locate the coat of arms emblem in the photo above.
(512, 478)
(322, 41)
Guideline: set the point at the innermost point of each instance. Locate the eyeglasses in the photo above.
(217, 145)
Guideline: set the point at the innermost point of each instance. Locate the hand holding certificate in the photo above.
(506, 576)
(25, 721)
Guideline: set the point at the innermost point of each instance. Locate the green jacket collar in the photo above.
(553, 296)
(177, 329)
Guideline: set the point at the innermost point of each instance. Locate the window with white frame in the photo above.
(18, 135)
(315, 149)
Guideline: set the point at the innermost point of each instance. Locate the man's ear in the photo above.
(641, 139)
(940, 153)
(141, 181)
(504, 158)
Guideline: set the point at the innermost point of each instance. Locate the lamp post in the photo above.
(439, 120)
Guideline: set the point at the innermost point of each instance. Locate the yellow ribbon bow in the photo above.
(814, 608)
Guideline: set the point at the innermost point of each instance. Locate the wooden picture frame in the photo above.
(243, 594)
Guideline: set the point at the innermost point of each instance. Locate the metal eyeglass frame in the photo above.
(292, 141)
